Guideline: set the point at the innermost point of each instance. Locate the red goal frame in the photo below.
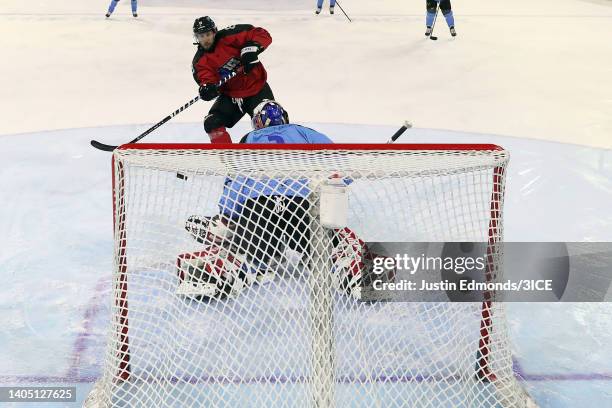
(482, 368)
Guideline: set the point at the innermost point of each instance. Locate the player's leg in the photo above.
(319, 6)
(296, 224)
(447, 12)
(350, 256)
(257, 230)
(220, 269)
(224, 113)
(431, 5)
(250, 103)
(111, 7)
(257, 238)
(240, 252)
(134, 8)
(267, 226)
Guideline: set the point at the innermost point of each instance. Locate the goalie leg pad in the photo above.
(209, 230)
(349, 256)
(214, 273)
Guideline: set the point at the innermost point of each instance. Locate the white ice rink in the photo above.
(540, 71)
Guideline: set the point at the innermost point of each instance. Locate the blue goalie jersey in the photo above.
(286, 134)
(238, 190)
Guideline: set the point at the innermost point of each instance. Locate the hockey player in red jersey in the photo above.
(219, 53)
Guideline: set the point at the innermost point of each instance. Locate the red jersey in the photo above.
(225, 55)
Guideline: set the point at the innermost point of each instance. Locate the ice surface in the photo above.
(529, 69)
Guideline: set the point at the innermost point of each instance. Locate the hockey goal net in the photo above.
(295, 339)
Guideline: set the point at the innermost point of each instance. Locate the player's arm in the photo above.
(207, 78)
(251, 41)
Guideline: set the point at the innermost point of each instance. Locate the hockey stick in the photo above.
(110, 148)
(431, 36)
(349, 19)
(407, 125)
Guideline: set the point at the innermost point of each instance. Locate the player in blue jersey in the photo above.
(332, 3)
(113, 4)
(447, 12)
(259, 219)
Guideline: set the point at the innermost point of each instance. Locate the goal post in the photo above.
(295, 339)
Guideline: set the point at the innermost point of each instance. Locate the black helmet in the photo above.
(204, 25)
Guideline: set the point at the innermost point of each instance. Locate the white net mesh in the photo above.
(289, 335)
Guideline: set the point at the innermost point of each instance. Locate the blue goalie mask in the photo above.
(269, 113)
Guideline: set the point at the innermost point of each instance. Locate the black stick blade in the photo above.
(102, 146)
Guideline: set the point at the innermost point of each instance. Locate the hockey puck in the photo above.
(433, 37)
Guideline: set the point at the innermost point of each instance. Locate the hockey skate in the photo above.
(331, 9)
(452, 31)
(318, 10)
(108, 15)
(135, 15)
(428, 31)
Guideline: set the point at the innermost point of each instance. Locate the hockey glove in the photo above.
(249, 55)
(208, 92)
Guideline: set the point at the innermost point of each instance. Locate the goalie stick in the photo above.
(407, 125)
(110, 148)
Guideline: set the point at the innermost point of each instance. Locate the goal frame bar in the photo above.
(318, 146)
